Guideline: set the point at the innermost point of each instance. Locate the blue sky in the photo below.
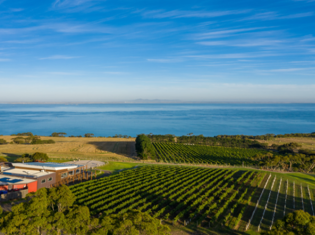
(116, 51)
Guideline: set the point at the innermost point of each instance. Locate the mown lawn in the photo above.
(117, 166)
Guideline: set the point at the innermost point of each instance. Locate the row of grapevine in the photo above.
(250, 220)
(181, 153)
(274, 211)
(262, 217)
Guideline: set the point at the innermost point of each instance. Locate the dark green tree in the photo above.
(144, 147)
(296, 223)
(40, 157)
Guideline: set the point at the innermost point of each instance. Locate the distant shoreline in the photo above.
(188, 102)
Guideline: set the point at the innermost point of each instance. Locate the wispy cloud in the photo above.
(4, 60)
(233, 55)
(76, 5)
(59, 57)
(164, 60)
(287, 70)
(115, 73)
(69, 3)
(224, 33)
(244, 43)
(23, 41)
(61, 28)
(277, 16)
(17, 9)
(190, 14)
(65, 73)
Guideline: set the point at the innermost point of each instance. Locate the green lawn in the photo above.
(116, 166)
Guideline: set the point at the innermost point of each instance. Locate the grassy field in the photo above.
(306, 142)
(117, 166)
(118, 149)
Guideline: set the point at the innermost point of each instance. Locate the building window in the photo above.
(50, 179)
(43, 181)
(77, 171)
(71, 172)
(63, 175)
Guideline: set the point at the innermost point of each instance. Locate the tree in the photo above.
(298, 222)
(3, 159)
(144, 147)
(64, 199)
(2, 141)
(18, 140)
(40, 156)
(132, 223)
(78, 220)
(58, 134)
(89, 135)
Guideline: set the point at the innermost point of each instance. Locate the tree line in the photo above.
(191, 138)
(42, 157)
(53, 211)
(296, 223)
(210, 141)
(144, 147)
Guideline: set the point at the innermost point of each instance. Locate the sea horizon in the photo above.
(177, 119)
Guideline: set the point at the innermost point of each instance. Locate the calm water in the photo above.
(178, 119)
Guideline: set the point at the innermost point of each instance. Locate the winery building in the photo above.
(32, 176)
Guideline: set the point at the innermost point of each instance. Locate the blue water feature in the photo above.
(177, 119)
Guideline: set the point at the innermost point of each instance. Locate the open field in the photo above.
(74, 147)
(195, 196)
(306, 142)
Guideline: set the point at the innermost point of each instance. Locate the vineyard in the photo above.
(242, 200)
(180, 153)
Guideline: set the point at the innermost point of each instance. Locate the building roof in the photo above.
(6, 180)
(24, 172)
(46, 165)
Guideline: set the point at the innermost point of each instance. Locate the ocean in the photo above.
(177, 119)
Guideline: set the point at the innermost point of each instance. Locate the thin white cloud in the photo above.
(76, 5)
(115, 73)
(65, 73)
(245, 43)
(223, 33)
(233, 56)
(69, 3)
(4, 60)
(61, 28)
(287, 70)
(23, 41)
(276, 16)
(59, 57)
(164, 60)
(17, 9)
(190, 14)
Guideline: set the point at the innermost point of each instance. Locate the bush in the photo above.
(40, 156)
(3, 159)
(19, 140)
(2, 141)
(39, 141)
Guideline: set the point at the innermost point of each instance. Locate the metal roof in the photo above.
(49, 164)
(5, 180)
(25, 173)
(46, 165)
